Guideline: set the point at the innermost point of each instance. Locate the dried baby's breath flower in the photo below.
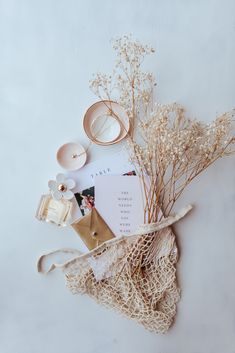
(168, 149)
(128, 84)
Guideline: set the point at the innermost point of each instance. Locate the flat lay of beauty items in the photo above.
(122, 207)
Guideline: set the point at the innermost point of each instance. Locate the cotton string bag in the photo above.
(134, 275)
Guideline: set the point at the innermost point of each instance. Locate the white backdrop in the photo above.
(48, 52)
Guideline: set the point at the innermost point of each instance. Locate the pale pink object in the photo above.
(101, 110)
(71, 156)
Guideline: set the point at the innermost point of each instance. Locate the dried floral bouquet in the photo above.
(138, 273)
(165, 145)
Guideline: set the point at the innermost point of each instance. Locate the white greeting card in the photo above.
(119, 201)
(118, 163)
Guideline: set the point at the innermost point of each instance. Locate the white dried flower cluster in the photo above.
(102, 85)
(178, 139)
(128, 84)
(174, 150)
(130, 51)
(168, 149)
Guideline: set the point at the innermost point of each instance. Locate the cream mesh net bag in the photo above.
(135, 274)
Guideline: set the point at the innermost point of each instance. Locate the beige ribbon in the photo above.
(143, 230)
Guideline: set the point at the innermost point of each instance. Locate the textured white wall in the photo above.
(48, 52)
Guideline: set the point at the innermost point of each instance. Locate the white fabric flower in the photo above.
(61, 187)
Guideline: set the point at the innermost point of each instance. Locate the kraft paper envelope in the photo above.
(92, 229)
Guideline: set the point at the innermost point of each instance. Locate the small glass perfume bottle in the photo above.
(54, 211)
(56, 207)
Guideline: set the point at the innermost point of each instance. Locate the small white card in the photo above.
(115, 164)
(119, 201)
